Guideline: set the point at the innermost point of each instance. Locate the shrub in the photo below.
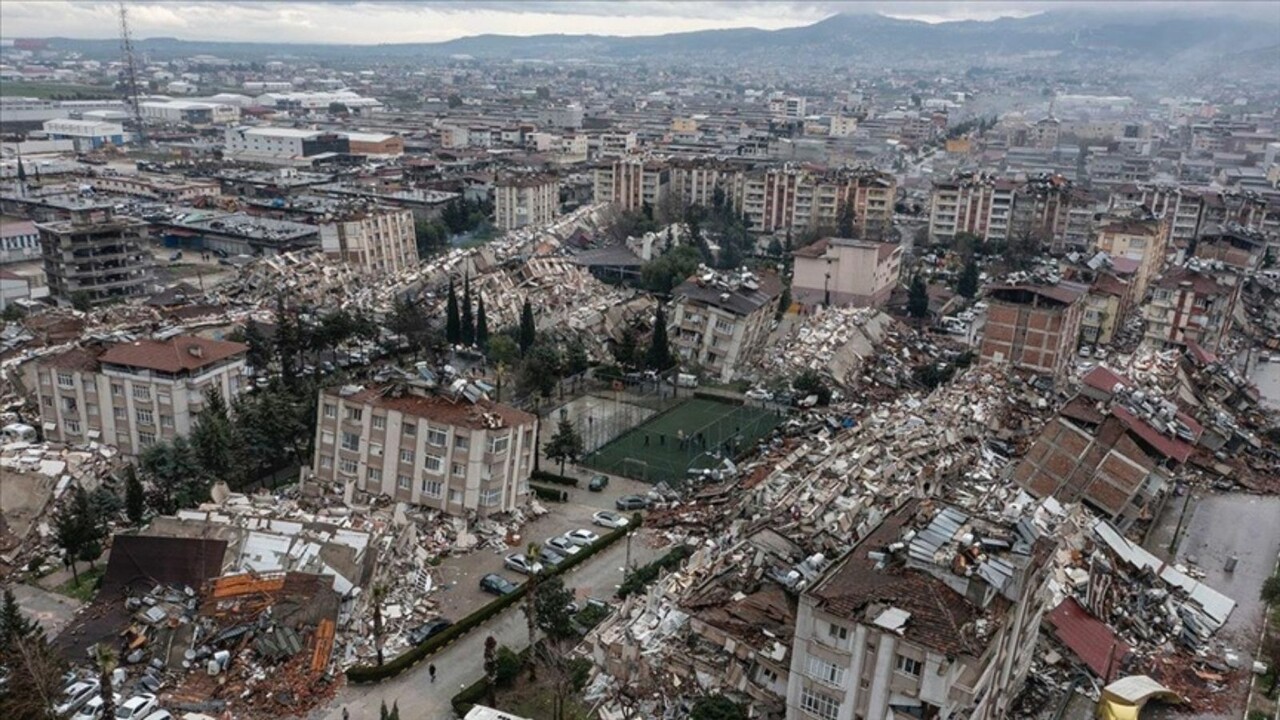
(509, 664)
(553, 478)
(640, 578)
(549, 494)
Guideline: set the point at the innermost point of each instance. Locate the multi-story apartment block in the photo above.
(134, 394)
(1192, 212)
(1048, 208)
(695, 181)
(521, 200)
(377, 239)
(1140, 237)
(841, 271)
(718, 322)
(933, 614)
(1033, 327)
(974, 204)
(95, 255)
(797, 198)
(631, 183)
(19, 241)
(1194, 302)
(456, 454)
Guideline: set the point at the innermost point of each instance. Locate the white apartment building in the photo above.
(720, 322)
(934, 614)
(428, 449)
(631, 183)
(522, 200)
(133, 394)
(380, 240)
(841, 271)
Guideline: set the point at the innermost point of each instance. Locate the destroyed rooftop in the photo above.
(459, 413)
(178, 354)
(739, 294)
(917, 560)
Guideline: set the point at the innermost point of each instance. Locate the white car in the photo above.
(137, 707)
(608, 519)
(582, 537)
(159, 715)
(522, 564)
(562, 545)
(93, 709)
(77, 695)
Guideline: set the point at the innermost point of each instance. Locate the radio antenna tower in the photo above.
(131, 76)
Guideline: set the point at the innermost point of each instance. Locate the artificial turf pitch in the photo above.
(652, 451)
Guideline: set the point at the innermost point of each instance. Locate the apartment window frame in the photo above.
(433, 463)
(908, 665)
(330, 411)
(819, 704)
(326, 462)
(350, 441)
(825, 671)
(374, 475)
(66, 380)
(347, 466)
(355, 414)
(146, 439)
(144, 416)
(437, 437)
(432, 488)
(458, 470)
(142, 392)
(379, 422)
(407, 455)
(498, 445)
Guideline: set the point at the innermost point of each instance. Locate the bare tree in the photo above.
(379, 593)
(106, 659)
(530, 610)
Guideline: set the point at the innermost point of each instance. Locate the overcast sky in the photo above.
(362, 22)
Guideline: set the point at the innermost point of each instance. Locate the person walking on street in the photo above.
(345, 715)
(431, 670)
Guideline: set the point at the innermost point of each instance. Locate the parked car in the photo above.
(496, 584)
(159, 715)
(522, 564)
(631, 502)
(93, 709)
(136, 707)
(428, 630)
(550, 557)
(76, 695)
(604, 518)
(598, 483)
(562, 545)
(582, 537)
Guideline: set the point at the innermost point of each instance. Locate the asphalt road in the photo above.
(461, 664)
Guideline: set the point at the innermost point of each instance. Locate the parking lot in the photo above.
(461, 594)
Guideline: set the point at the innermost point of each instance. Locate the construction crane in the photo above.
(131, 76)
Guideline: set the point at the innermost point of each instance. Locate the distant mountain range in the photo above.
(1145, 37)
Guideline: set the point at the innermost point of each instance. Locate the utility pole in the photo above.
(131, 76)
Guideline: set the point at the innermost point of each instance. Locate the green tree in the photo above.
(213, 438)
(530, 608)
(503, 350)
(540, 370)
(528, 332)
(452, 322)
(468, 321)
(662, 274)
(565, 445)
(575, 357)
(106, 660)
(289, 342)
(626, 350)
(33, 681)
(844, 222)
(175, 476)
(135, 502)
(81, 300)
(810, 383)
(552, 607)
(454, 100)
(482, 323)
(260, 350)
(918, 298)
(1270, 593)
(491, 668)
(784, 302)
(717, 707)
(659, 355)
(76, 529)
(968, 282)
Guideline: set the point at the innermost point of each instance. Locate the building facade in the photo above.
(840, 271)
(95, 255)
(428, 449)
(523, 200)
(631, 183)
(1192, 302)
(135, 394)
(1140, 237)
(1033, 327)
(380, 240)
(718, 323)
(86, 134)
(19, 241)
(891, 629)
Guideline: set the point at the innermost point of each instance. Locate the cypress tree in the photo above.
(528, 334)
(659, 355)
(482, 324)
(468, 323)
(452, 324)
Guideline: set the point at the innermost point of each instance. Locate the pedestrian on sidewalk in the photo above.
(431, 670)
(345, 715)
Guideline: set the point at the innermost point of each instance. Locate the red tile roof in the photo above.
(1105, 379)
(459, 413)
(173, 355)
(1170, 447)
(1088, 637)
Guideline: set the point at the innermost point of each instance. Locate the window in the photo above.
(379, 422)
(908, 666)
(439, 438)
(146, 439)
(348, 467)
(117, 389)
(409, 428)
(816, 703)
(828, 673)
(145, 417)
(164, 398)
(490, 498)
(141, 392)
(375, 449)
(723, 326)
(404, 481)
(767, 676)
(330, 410)
(350, 441)
(71, 426)
(455, 496)
(166, 421)
(406, 456)
(433, 463)
(48, 401)
(375, 475)
(65, 380)
(499, 444)
(459, 470)
(462, 442)
(68, 404)
(434, 488)
(326, 437)
(837, 632)
(355, 414)
(326, 461)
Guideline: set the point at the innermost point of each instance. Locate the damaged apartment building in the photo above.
(721, 318)
(450, 449)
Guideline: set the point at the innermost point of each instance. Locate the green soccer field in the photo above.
(653, 451)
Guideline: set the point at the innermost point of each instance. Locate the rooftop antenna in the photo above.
(131, 76)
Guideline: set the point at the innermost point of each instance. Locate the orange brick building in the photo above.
(1033, 327)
